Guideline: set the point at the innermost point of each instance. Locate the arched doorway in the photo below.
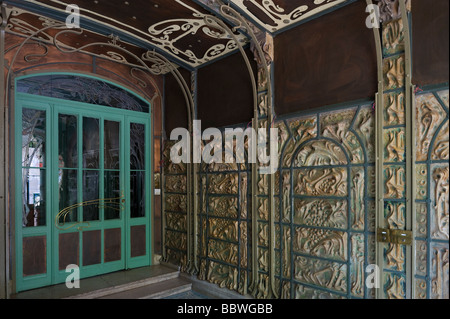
(83, 178)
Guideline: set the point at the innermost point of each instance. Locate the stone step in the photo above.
(162, 276)
(157, 290)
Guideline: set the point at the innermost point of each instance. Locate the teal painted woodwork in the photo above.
(64, 150)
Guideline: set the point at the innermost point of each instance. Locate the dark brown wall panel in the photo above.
(176, 114)
(34, 256)
(325, 61)
(430, 32)
(225, 95)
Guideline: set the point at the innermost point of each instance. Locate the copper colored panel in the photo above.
(430, 32)
(176, 114)
(138, 246)
(113, 244)
(225, 94)
(326, 61)
(34, 256)
(92, 247)
(69, 250)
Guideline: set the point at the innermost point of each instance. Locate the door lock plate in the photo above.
(394, 236)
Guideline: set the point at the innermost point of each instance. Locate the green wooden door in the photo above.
(83, 197)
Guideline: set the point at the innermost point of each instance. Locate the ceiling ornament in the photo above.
(185, 38)
(275, 15)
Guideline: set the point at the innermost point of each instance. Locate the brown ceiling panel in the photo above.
(175, 26)
(430, 33)
(325, 62)
(25, 24)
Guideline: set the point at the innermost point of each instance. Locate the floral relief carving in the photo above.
(395, 286)
(321, 152)
(395, 145)
(224, 276)
(175, 184)
(176, 203)
(395, 180)
(441, 145)
(176, 221)
(223, 206)
(321, 243)
(440, 275)
(340, 132)
(390, 9)
(440, 217)
(394, 72)
(321, 182)
(169, 166)
(223, 251)
(223, 229)
(393, 37)
(321, 213)
(395, 257)
(429, 116)
(395, 214)
(223, 184)
(176, 240)
(325, 274)
(394, 113)
(357, 200)
(357, 265)
(365, 128)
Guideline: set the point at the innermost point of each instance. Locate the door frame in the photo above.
(53, 275)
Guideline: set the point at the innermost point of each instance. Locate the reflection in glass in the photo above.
(68, 194)
(137, 192)
(90, 195)
(82, 89)
(112, 145)
(137, 146)
(91, 142)
(33, 138)
(112, 191)
(68, 137)
(33, 197)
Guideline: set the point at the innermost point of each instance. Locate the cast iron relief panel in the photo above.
(325, 216)
(394, 281)
(432, 195)
(224, 225)
(175, 210)
(324, 212)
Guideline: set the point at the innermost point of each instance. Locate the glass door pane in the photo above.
(91, 169)
(68, 168)
(34, 172)
(112, 184)
(137, 170)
